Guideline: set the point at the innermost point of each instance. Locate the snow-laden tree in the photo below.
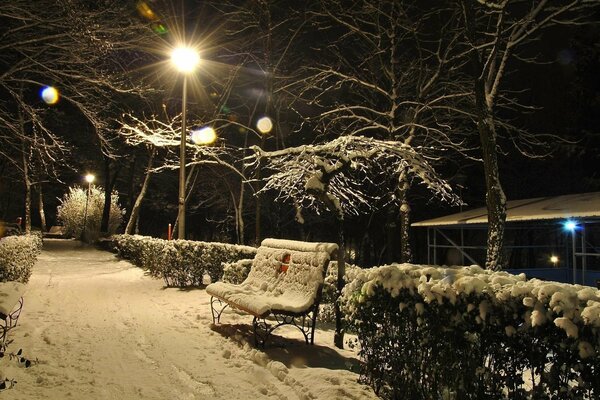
(83, 49)
(80, 212)
(387, 70)
(162, 135)
(350, 175)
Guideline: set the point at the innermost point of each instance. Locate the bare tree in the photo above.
(84, 49)
(388, 72)
(498, 34)
(263, 38)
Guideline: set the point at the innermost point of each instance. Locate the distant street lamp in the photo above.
(89, 178)
(185, 60)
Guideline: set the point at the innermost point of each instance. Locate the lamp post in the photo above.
(89, 178)
(185, 60)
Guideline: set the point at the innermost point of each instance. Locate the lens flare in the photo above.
(264, 125)
(205, 135)
(49, 95)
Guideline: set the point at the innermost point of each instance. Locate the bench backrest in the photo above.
(290, 268)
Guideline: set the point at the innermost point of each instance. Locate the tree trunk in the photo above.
(338, 338)
(135, 210)
(405, 250)
(109, 184)
(26, 180)
(41, 208)
(27, 183)
(495, 198)
(131, 197)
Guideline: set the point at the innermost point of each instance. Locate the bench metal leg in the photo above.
(216, 314)
(306, 324)
(8, 322)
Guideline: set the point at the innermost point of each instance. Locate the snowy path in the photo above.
(101, 329)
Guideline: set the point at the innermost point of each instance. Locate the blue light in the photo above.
(570, 225)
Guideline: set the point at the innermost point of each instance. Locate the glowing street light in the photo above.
(89, 178)
(185, 60)
(570, 225)
(554, 260)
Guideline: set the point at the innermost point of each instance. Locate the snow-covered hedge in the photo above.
(18, 254)
(179, 262)
(466, 333)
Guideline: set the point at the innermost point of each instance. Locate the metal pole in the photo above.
(583, 254)
(429, 245)
(181, 213)
(574, 257)
(435, 246)
(87, 200)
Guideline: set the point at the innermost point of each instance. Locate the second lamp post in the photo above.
(185, 60)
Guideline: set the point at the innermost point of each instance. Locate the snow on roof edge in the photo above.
(583, 205)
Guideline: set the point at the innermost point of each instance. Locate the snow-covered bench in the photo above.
(11, 304)
(284, 282)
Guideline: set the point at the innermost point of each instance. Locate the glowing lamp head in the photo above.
(264, 125)
(206, 135)
(89, 178)
(570, 225)
(554, 260)
(49, 94)
(185, 59)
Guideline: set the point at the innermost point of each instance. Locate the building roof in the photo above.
(584, 205)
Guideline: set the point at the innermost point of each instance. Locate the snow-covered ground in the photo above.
(101, 329)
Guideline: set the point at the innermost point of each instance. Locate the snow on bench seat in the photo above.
(286, 278)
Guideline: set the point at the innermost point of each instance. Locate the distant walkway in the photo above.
(102, 329)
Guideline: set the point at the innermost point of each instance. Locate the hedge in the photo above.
(466, 333)
(18, 254)
(179, 262)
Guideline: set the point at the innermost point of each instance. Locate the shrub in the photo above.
(236, 272)
(72, 212)
(18, 254)
(179, 262)
(467, 333)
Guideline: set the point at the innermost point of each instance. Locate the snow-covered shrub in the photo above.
(326, 308)
(180, 262)
(18, 254)
(466, 333)
(72, 212)
(236, 272)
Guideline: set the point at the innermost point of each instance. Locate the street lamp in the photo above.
(89, 178)
(185, 60)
